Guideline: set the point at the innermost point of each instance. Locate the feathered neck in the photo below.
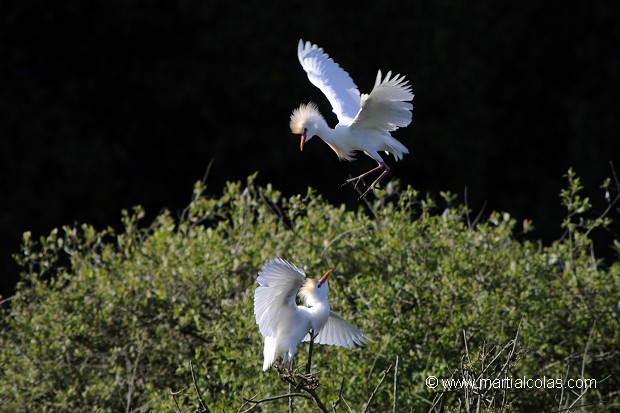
(309, 294)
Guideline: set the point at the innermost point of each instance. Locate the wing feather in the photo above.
(279, 281)
(386, 108)
(339, 332)
(331, 79)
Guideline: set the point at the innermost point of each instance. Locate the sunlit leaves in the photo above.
(106, 321)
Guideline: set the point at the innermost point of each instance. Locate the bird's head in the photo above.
(315, 290)
(305, 120)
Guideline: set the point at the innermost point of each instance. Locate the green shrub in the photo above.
(108, 321)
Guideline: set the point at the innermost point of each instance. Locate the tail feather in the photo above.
(395, 147)
(269, 353)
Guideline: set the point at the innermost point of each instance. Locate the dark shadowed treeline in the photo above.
(105, 105)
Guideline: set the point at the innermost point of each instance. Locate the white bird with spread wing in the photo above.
(364, 121)
(284, 324)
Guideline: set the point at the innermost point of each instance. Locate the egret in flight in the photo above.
(284, 324)
(364, 120)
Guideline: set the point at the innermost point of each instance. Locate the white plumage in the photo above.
(364, 120)
(284, 324)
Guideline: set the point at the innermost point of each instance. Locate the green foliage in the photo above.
(109, 321)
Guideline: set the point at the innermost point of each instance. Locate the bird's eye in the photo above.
(305, 130)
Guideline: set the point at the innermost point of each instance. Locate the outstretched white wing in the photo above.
(333, 81)
(386, 108)
(339, 332)
(279, 281)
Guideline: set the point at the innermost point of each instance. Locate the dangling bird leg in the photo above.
(358, 178)
(285, 367)
(386, 169)
(311, 381)
(380, 165)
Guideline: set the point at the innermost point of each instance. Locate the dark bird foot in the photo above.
(308, 380)
(357, 180)
(380, 166)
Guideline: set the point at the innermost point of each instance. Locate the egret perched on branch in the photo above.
(364, 121)
(284, 324)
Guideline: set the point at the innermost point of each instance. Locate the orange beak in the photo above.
(303, 141)
(324, 278)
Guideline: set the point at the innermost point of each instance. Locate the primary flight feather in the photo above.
(364, 120)
(285, 324)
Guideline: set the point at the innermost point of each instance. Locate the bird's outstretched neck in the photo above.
(338, 139)
(321, 129)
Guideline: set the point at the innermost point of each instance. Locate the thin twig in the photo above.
(366, 201)
(395, 379)
(583, 367)
(562, 391)
(290, 399)
(582, 406)
(185, 211)
(174, 394)
(5, 300)
(612, 202)
(208, 170)
(246, 402)
(466, 201)
(577, 399)
(334, 405)
(372, 367)
(585, 350)
(479, 216)
(282, 396)
(472, 224)
(132, 379)
(337, 237)
(200, 400)
(269, 399)
(278, 213)
(512, 350)
(372, 395)
(436, 401)
(466, 347)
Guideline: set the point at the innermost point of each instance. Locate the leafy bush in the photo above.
(107, 321)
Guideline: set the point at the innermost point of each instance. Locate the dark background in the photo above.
(106, 105)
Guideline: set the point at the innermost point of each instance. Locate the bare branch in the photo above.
(339, 236)
(585, 350)
(132, 379)
(335, 404)
(308, 388)
(200, 400)
(368, 203)
(290, 399)
(174, 397)
(255, 403)
(367, 404)
(395, 379)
